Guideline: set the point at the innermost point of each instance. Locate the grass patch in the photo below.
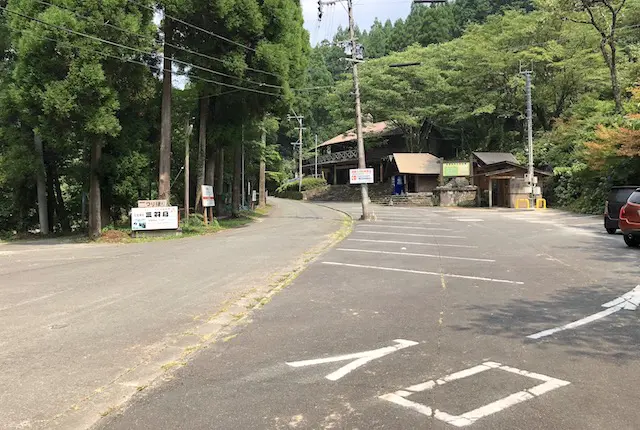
(194, 226)
(172, 364)
(108, 411)
(228, 338)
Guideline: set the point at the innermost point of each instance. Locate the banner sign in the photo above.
(147, 219)
(456, 169)
(152, 203)
(361, 176)
(208, 198)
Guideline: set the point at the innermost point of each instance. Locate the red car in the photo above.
(630, 220)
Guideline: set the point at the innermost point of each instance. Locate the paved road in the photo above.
(443, 301)
(82, 327)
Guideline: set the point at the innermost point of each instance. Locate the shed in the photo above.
(501, 179)
(420, 172)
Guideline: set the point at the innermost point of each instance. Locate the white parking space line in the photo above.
(412, 227)
(386, 221)
(420, 272)
(411, 254)
(389, 216)
(408, 234)
(400, 397)
(399, 242)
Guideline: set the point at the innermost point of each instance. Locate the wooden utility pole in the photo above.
(188, 129)
(367, 213)
(362, 163)
(202, 150)
(262, 180)
(164, 181)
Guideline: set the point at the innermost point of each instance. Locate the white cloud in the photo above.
(364, 12)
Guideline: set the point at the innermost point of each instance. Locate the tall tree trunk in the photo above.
(262, 180)
(210, 169)
(219, 186)
(41, 186)
(61, 210)
(105, 209)
(237, 180)
(202, 151)
(615, 85)
(95, 222)
(164, 182)
(51, 197)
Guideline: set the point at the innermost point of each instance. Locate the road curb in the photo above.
(221, 327)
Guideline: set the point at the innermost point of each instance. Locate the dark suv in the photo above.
(617, 198)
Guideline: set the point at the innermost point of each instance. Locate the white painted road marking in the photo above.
(419, 272)
(380, 221)
(37, 299)
(359, 358)
(409, 234)
(469, 219)
(629, 301)
(412, 243)
(411, 254)
(400, 397)
(412, 228)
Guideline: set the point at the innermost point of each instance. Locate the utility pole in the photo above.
(300, 128)
(242, 170)
(188, 130)
(527, 75)
(41, 185)
(367, 214)
(315, 171)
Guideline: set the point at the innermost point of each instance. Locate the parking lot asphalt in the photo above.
(424, 319)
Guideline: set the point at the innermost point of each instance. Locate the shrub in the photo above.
(307, 184)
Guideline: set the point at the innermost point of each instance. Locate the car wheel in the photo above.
(631, 241)
(612, 230)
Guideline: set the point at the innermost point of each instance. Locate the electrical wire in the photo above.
(190, 76)
(195, 27)
(119, 45)
(133, 33)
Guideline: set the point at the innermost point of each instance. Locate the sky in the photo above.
(364, 12)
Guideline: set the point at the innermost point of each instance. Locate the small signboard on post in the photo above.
(153, 203)
(154, 218)
(208, 198)
(361, 176)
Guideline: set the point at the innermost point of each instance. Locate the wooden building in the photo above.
(501, 179)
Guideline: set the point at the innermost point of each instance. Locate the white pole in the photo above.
(316, 167)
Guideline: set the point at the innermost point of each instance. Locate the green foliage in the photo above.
(307, 184)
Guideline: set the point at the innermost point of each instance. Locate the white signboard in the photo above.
(152, 203)
(208, 198)
(361, 176)
(254, 196)
(146, 219)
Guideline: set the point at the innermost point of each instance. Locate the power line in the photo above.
(196, 27)
(133, 33)
(161, 69)
(119, 45)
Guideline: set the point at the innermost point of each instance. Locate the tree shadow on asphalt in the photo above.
(615, 337)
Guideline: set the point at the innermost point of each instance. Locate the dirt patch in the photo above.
(114, 236)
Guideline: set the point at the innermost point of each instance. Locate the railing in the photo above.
(334, 157)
